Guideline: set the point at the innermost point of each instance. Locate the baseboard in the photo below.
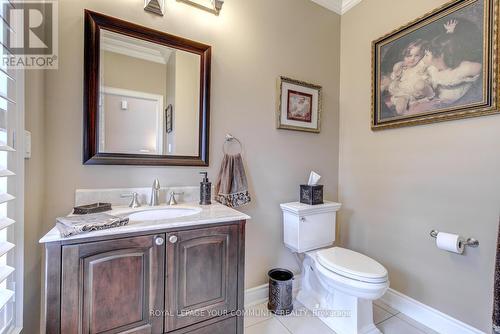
(432, 318)
(260, 294)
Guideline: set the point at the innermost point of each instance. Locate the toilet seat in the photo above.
(352, 265)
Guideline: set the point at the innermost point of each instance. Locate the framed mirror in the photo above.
(146, 98)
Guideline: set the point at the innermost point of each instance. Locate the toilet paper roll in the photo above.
(450, 242)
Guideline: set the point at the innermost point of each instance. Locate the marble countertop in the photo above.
(205, 214)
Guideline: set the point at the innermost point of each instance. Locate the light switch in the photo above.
(27, 145)
(124, 105)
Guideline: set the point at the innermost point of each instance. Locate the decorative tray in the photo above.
(91, 208)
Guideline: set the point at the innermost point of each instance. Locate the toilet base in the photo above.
(359, 319)
(340, 311)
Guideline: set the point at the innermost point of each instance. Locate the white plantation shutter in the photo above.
(11, 189)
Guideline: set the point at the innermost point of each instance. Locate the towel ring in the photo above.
(229, 139)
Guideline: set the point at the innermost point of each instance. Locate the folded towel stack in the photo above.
(73, 225)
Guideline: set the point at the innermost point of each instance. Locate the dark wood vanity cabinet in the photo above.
(174, 281)
(111, 286)
(201, 269)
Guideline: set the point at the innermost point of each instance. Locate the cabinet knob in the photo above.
(159, 241)
(302, 219)
(172, 239)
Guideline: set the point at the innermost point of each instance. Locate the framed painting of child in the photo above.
(440, 67)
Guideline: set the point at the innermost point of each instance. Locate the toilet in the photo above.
(338, 285)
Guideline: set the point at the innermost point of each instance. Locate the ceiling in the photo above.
(338, 6)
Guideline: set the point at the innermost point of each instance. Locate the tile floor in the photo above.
(388, 320)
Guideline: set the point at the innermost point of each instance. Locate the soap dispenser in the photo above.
(205, 190)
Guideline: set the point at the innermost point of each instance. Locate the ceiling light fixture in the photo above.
(212, 6)
(155, 6)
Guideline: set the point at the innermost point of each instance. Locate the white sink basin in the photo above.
(160, 214)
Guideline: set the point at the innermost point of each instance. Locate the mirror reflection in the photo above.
(149, 98)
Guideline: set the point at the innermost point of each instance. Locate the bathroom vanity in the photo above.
(179, 271)
(171, 269)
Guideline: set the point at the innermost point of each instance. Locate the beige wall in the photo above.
(140, 76)
(254, 42)
(170, 98)
(34, 194)
(187, 104)
(397, 185)
(135, 74)
(139, 129)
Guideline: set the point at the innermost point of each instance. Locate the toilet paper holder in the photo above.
(470, 242)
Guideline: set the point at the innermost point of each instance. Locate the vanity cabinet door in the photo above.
(111, 286)
(202, 280)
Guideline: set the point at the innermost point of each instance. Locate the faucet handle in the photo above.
(134, 203)
(172, 200)
(156, 184)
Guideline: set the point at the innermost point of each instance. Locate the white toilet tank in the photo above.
(308, 227)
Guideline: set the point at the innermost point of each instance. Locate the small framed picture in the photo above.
(169, 118)
(299, 105)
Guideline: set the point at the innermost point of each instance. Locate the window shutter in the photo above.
(11, 188)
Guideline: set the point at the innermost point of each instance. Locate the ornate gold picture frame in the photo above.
(442, 66)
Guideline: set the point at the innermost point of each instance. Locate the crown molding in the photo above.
(338, 6)
(136, 48)
(348, 5)
(333, 5)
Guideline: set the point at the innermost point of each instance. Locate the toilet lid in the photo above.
(352, 265)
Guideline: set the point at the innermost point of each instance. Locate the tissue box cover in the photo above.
(311, 195)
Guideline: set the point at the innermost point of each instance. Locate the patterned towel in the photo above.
(496, 296)
(73, 225)
(231, 188)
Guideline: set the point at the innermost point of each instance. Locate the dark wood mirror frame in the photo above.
(94, 22)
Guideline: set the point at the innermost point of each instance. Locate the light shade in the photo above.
(212, 6)
(155, 6)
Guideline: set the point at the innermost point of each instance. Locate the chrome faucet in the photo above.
(155, 193)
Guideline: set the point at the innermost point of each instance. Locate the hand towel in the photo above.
(73, 225)
(231, 188)
(496, 295)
